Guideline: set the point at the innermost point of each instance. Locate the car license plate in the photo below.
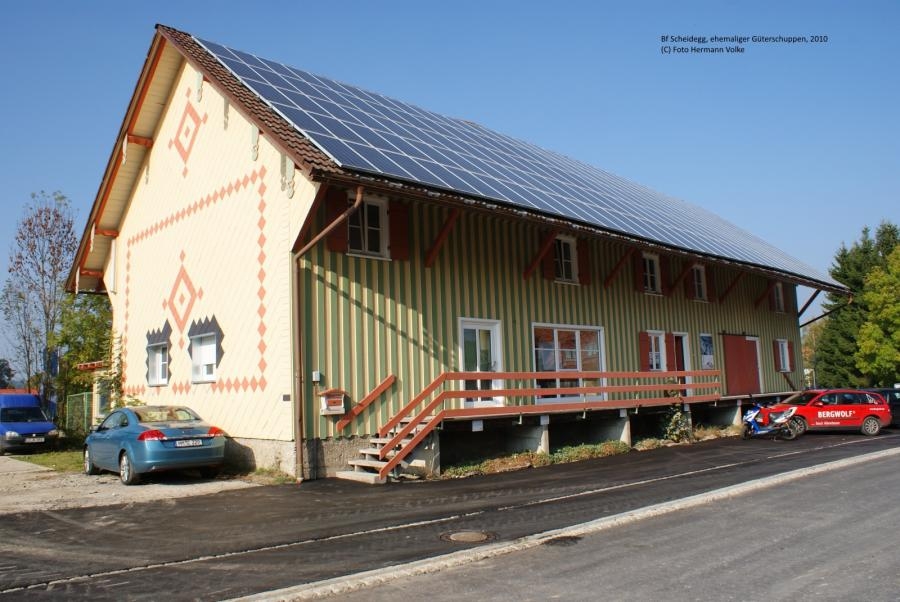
(188, 443)
(34, 439)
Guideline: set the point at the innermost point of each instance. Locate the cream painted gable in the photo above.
(206, 241)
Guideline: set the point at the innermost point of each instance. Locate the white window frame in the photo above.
(601, 336)
(204, 347)
(657, 359)
(494, 327)
(784, 356)
(158, 365)
(778, 297)
(559, 263)
(698, 281)
(651, 273)
(383, 229)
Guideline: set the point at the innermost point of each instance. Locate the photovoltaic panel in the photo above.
(369, 132)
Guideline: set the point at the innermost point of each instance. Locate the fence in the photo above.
(79, 415)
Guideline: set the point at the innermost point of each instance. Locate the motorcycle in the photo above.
(758, 423)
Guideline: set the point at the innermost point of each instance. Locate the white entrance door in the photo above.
(480, 352)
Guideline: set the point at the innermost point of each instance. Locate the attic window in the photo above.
(566, 259)
(651, 273)
(367, 229)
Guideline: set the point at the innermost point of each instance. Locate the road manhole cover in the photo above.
(467, 536)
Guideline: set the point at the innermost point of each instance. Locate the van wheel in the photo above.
(126, 470)
(89, 467)
(871, 426)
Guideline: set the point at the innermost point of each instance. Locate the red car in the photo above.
(833, 409)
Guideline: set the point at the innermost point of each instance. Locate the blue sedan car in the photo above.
(139, 440)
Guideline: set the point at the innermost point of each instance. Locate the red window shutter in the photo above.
(398, 218)
(790, 362)
(584, 263)
(639, 272)
(644, 350)
(336, 204)
(664, 275)
(671, 363)
(776, 353)
(548, 263)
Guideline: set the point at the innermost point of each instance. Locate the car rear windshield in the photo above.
(800, 399)
(164, 414)
(22, 415)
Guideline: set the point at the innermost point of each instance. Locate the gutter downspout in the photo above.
(296, 329)
(337, 222)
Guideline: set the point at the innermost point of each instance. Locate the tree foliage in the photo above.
(83, 336)
(39, 261)
(834, 358)
(878, 355)
(6, 374)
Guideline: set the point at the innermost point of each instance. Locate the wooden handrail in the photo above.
(412, 404)
(538, 408)
(364, 403)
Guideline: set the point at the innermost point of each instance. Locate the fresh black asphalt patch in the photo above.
(248, 541)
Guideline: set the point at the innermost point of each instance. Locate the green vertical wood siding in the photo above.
(364, 319)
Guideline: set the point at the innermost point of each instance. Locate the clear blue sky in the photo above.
(799, 144)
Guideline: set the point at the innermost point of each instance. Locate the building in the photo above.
(306, 263)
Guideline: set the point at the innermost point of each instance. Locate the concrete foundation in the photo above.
(425, 460)
(250, 454)
(529, 438)
(611, 429)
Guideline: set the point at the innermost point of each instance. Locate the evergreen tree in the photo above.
(835, 355)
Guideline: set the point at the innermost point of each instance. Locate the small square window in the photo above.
(367, 229)
(652, 278)
(203, 358)
(157, 365)
(566, 259)
(698, 274)
(784, 355)
(778, 297)
(657, 359)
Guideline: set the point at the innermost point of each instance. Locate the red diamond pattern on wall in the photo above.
(181, 299)
(186, 134)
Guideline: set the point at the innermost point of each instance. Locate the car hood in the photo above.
(41, 426)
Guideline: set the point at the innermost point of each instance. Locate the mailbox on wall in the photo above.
(332, 402)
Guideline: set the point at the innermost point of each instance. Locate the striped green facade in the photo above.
(363, 319)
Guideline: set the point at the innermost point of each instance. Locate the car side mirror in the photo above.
(95, 428)
(818, 404)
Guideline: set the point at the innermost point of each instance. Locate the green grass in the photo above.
(520, 460)
(65, 460)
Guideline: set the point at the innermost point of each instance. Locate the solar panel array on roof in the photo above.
(372, 133)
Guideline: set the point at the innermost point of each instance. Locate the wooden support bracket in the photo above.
(432, 254)
(618, 267)
(731, 287)
(544, 249)
(765, 294)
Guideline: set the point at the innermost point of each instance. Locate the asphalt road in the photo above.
(827, 537)
(243, 542)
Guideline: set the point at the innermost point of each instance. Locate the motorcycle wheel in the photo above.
(789, 433)
(745, 433)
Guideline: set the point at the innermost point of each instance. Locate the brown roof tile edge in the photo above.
(271, 123)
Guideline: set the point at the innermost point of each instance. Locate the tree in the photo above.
(836, 347)
(41, 255)
(878, 355)
(83, 337)
(6, 374)
(19, 310)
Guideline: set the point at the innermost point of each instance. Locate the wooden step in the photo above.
(374, 451)
(364, 463)
(370, 478)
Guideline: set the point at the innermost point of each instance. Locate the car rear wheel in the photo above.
(126, 470)
(89, 467)
(871, 426)
(799, 425)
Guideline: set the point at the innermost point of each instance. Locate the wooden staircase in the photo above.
(373, 460)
